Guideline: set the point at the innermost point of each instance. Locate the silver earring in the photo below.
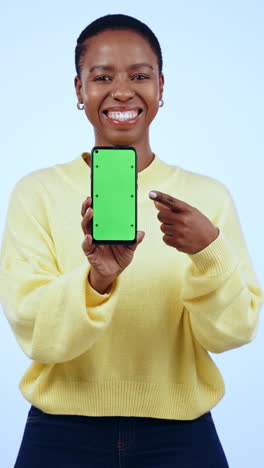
(161, 102)
(79, 106)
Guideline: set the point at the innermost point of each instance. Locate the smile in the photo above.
(119, 117)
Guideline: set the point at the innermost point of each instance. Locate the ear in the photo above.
(78, 88)
(161, 84)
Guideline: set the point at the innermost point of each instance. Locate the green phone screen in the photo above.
(114, 195)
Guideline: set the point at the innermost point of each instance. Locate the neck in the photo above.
(144, 154)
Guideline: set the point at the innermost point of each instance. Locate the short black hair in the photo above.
(116, 22)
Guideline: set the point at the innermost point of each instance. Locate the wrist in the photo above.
(215, 233)
(100, 284)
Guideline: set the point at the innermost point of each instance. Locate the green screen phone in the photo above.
(114, 195)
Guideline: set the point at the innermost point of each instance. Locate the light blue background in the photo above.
(211, 122)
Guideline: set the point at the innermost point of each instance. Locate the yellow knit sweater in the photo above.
(142, 349)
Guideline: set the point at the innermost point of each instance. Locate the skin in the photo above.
(184, 226)
(141, 87)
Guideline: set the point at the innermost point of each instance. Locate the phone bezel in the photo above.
(109, 242)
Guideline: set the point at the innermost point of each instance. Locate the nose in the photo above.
(122, 90)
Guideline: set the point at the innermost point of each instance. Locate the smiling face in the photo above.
(120, 87)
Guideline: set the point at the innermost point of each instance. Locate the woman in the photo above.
(120, 341)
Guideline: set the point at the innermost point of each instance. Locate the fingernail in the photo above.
(152, 195)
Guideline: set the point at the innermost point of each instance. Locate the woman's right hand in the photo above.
(107, 261)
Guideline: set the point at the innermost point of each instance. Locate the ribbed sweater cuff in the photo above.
(217, 258)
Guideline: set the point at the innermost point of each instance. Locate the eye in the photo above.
(101, 78)
(141, 76)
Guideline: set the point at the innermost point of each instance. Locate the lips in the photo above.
(122, 116)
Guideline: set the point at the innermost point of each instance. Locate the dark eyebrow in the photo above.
(139, 65)
(131, 67)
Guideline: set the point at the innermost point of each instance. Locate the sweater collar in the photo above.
(77, 174)
(146, 178)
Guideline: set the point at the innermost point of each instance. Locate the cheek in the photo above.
(92, 115)
(92, 100)
(152, 96)
(91, 95)
(153, 103)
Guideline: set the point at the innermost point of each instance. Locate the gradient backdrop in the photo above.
(212, 123)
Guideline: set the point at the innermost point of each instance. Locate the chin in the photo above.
(123, 140)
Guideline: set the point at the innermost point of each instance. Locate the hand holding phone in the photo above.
(108, 261)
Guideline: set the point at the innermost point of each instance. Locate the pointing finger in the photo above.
(160, 206)
(163, 200)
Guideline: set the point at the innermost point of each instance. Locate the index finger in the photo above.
(85, 205)
(173, 203)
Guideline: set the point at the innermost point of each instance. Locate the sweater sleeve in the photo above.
(55, 316)
(221, 291)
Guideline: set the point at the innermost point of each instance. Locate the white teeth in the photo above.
(122, 115)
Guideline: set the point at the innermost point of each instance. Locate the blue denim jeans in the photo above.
(66, 441)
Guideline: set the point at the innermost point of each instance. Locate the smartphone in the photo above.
(114, 194)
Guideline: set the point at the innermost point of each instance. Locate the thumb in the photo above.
(140, 236)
